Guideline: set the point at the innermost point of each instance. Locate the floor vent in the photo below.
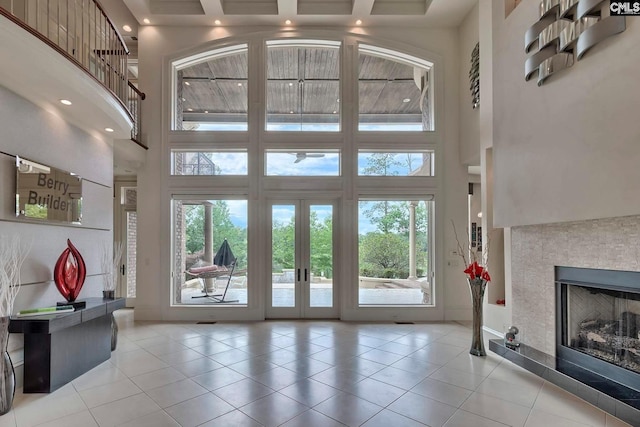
(206, 323)
(404, 323)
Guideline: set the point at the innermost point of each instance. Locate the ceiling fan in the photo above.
(301, 156)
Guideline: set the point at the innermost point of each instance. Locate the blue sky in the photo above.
(280, 163)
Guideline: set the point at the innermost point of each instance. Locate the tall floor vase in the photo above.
(477, 287)
(7, 375)
(114, 333)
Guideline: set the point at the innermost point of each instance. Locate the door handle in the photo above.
(305, 275)
(298, 275)
(123, 269)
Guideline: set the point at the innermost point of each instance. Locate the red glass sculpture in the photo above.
(70, 272)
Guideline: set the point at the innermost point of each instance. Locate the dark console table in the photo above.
(60, 347)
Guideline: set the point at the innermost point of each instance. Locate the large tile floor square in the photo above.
(301, 373)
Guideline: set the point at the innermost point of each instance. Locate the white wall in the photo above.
(156, 44)
(567, 150)
(35, 134)
(469, 117)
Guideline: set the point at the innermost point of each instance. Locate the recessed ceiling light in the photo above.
(338, 100)
(206, 111)
(187, 83)
(359, 22)
(240, 84)
(189, 109)
(146, 21)
(406, 100)
(65, 102)
(108, 130)
(335, 112)
(290, 84)
(290, 112)
(183, 99)
(126, 28)
(288, 22)
(217, 22)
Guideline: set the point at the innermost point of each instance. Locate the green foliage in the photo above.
(382, 164)
(35, 211)
(283, 245)
(321, 242)
(321, 245)
(384, 255)
(222, 227)
(393, 216)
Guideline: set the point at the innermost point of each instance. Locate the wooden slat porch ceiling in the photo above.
(299, 80)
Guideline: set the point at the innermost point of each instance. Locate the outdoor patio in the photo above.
(387, 292)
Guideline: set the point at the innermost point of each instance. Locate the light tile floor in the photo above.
(301, 373)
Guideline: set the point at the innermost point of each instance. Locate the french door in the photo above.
(301, 250)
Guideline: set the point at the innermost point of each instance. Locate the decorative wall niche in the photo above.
(565, 31)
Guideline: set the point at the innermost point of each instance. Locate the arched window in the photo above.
(303, 85)
(393, 91)
(211, 90)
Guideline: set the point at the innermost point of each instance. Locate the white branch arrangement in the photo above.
(482, 258)
(13, 252)
(110, 264)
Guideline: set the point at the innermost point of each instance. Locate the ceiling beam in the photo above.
(212, 8)
(401, 7)
(288, 8)
(362, 8)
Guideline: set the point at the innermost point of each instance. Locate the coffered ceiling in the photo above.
(428, 13)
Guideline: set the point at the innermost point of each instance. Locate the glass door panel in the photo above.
(283, 255)
(302, 263)
(321, 255)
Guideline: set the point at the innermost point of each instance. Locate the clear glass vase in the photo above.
(477, 287)
(7, 374)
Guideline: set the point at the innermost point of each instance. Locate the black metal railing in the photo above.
(81, 31)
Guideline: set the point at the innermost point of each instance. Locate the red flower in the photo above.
(475, 271)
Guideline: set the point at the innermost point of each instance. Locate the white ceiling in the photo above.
(428, 13)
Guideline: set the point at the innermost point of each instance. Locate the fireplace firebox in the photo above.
(598, 323)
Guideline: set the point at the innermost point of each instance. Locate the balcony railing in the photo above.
(81, 31)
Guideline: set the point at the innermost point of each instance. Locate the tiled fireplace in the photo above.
(536, 251)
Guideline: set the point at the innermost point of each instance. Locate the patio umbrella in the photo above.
(224, 256)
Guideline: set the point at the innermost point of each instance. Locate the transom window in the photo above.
(393, 91)
(303, 86)
(211, 91)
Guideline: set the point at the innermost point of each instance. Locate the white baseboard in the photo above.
(492, 332)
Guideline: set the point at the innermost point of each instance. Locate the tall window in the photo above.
(303, 86)
(312, 126)
(394, 246)
(393, 91)
(210, 251)
(211, 91)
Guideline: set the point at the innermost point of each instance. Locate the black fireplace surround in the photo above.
(597, 341)
(598, 322)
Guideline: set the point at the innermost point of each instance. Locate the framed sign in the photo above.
(46, 193)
